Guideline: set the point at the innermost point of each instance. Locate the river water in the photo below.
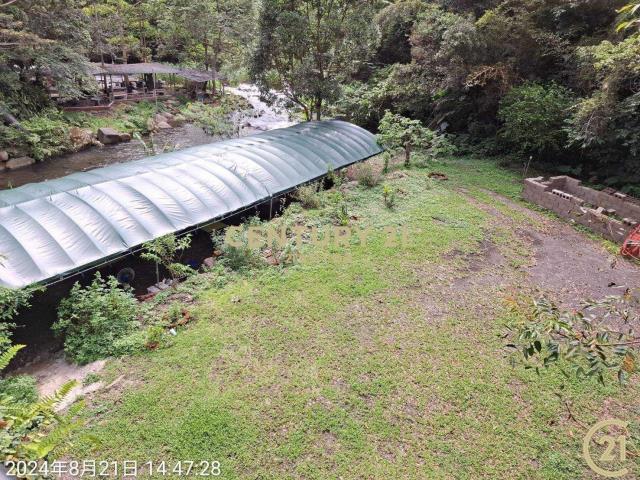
(265, 118)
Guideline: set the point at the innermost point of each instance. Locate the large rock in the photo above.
(109, 136)
(81, 138)
(19, 162)
(4, 155)
(177, 120)
(125, 137)
(163, 125)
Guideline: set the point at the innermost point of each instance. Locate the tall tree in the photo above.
(206, 32)
(42, 40)
(306, 47)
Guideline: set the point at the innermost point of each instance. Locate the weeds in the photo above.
(366, 176)
(308, 196)
(389, 196)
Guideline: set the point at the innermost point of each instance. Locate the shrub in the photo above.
(92, 318)
(237, 255)
(534, 116)
(308, 196)
(341, 215)
(366, 176)
(389, 196)
(165, 252)
(11, 301)
(32, 427)
(398, 133)
(21, 388)
(130, 344)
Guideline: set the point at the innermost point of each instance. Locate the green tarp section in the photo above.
(52, 229)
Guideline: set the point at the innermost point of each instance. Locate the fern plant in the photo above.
(32, 431)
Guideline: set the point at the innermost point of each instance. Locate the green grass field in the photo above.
(376, 359)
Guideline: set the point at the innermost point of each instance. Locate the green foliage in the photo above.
(596, 341)
(366, 175)
(42, 39)
(398, 133)
(341, 214)
(166, 251)
(395, 22)
(630, 12)
(306, 48)
(216, 119)
(11, 301)
(21, 388)
(31, 427)
(534, 116)
(237, 254)
(92, 318)
(389, 196)
(45, 135)
(308, 196)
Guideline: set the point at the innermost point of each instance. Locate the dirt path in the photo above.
(568, 263)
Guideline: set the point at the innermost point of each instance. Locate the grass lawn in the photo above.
(376, 359)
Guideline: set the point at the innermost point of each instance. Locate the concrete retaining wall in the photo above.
(612, 214)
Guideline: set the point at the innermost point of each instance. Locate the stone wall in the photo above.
(610, 213)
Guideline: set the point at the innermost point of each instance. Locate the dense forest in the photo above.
(554, 83)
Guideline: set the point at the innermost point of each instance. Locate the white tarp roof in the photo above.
(55, 228)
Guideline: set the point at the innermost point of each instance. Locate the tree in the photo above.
(395, 23)
(165, 251)
(306, 47)
(42, 41)
(402, 133)
(534, 116)
(206, 32)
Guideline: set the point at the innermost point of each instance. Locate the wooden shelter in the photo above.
(117, 86)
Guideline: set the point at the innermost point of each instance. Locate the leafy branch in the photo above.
(591, 342)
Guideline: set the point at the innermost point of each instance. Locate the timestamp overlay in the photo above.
(89, 468)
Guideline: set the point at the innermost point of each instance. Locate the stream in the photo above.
(265, 118)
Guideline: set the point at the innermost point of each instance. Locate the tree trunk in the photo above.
(407, 154)
(318, 109)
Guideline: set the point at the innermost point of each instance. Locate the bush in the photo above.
(308, 196)
(32, 427)
(11, 301)
(398, 133)
(21, 388)
(534, 116)
(366, 176)
(166, 251)
(389, 196)
(93, 318)
(236, 253)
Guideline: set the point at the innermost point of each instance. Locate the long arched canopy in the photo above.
(52, 229)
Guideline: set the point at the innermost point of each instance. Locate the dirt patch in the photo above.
(566, 264)
(51, 374)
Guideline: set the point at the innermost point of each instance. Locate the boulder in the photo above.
(209, 262)
(177, 120)
(81, 137)
(109, 136)
(163, 125)
(19, 162)
(4, 155)
(125, 137)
